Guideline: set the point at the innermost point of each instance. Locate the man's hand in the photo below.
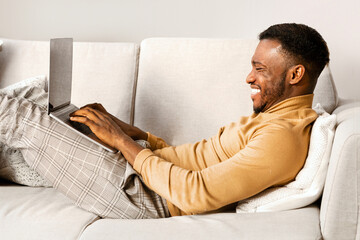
(132, 131)
(100, 124)
(107, 130)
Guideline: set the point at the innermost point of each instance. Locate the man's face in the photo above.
(267, 78)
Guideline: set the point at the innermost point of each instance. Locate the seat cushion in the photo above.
(39, 213)
(294, 224)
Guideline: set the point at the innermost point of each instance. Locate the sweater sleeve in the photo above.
(156, 142)
(273, 156)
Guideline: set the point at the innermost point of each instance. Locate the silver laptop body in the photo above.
(60, 81)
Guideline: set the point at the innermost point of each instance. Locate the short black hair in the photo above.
(303, 44)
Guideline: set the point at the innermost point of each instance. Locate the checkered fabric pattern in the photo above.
(96, 180)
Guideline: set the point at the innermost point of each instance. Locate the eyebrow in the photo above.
(256, 63)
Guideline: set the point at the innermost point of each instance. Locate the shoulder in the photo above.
(280, 139)
(276, 128)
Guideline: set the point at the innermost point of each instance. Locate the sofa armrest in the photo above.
(339, 207)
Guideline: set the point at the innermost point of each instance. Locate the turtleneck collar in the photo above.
(294, 103)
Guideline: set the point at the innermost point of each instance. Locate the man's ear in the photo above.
(297, 73)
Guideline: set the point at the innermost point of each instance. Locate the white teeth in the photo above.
(255, 91)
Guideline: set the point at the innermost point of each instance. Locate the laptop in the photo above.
(59, 88)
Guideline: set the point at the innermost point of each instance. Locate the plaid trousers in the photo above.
(94, 179)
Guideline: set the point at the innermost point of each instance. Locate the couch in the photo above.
(182, 90)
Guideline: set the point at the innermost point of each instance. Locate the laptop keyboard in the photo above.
(64, 116)
(81, 127)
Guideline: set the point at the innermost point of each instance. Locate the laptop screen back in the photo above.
(60, 75)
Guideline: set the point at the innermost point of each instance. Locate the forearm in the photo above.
(140, 135)
(128, 148)
(132, 131)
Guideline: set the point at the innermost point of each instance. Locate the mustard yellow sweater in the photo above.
(243, 159)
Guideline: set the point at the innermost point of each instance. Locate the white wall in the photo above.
(133, 20)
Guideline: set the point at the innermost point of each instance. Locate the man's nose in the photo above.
(250, 78)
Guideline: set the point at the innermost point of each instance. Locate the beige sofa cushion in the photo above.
(325, 92)
(294, 224)
(105, 73)
(39, 213)
(22, 59)
(188, 88)
(339, 214)
(102, 72)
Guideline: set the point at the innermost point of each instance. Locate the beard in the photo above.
(273, 93)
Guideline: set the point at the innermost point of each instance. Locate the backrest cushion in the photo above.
(325, 92)
(106, 73)
(102, 72)
(20, 60)
(188, 88)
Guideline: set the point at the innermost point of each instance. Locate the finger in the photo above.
(83, 120)
(79, 112)
(96, 106)
(92, 125)
(90, 113)
(72, 114)
(98, 113)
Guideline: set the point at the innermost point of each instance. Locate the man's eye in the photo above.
(259, 69)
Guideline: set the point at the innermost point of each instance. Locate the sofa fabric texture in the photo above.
(105, 73)
(39, 213)
(298, 224)
(195, 86)
(339, 207)
(325, 92)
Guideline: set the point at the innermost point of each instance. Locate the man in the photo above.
(265, 149)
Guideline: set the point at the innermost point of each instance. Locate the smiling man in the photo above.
(263, 150)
